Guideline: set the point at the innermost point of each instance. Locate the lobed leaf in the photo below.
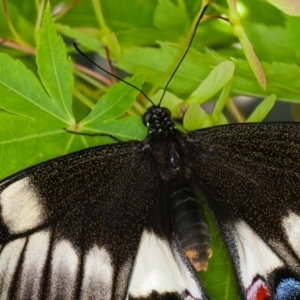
(55, 69)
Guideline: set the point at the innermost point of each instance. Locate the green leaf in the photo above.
(106, 110)
(132, 21)
(253, 61)
(17, 82)
(156, 62)
(264, 13)
(31, 127)
(219, 280)
(29, 120)
(196, 118)
(216, 80)
(55, 69)
(32, 120)
(270, 43)
(170, 17)
(283, 79)
(290, 7)
(217, 115)
(262, 110)
(293, 29)
(88, 41)
(129, 128)
(110, 40)
(22, 25)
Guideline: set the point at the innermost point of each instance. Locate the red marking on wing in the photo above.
(258, 290)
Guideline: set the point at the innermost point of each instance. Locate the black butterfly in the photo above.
(126, 220)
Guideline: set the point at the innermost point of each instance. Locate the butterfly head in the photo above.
(158, 120)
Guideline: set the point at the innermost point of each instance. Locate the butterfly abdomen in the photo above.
(190, 226)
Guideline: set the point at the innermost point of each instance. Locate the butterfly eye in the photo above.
(147, 117)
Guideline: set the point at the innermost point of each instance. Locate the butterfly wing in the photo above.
(250, 177)
(82, 227)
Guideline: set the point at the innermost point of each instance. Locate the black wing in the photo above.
(250, 177)
(82, 227)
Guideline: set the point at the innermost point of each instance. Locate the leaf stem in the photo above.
(172, 69)
(93, 74)
(10, 24)
(20, 47)
(40, 12)
(81, 97)
(99, 14)
(235, 111)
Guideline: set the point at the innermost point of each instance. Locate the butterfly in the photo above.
(127, 220)
(124, 221)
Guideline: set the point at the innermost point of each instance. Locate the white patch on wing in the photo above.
(64, 267)
(21, 206)
(256, 258)
(158, 268)
(97, 275)
(9, 259)
(284, 252)
(34, 261)
(291, 225)
(122, 279)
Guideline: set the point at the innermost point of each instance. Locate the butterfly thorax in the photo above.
(166, 144)
(163, 142)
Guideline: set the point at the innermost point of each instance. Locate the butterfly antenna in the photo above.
(109, 73)
(184, 54)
